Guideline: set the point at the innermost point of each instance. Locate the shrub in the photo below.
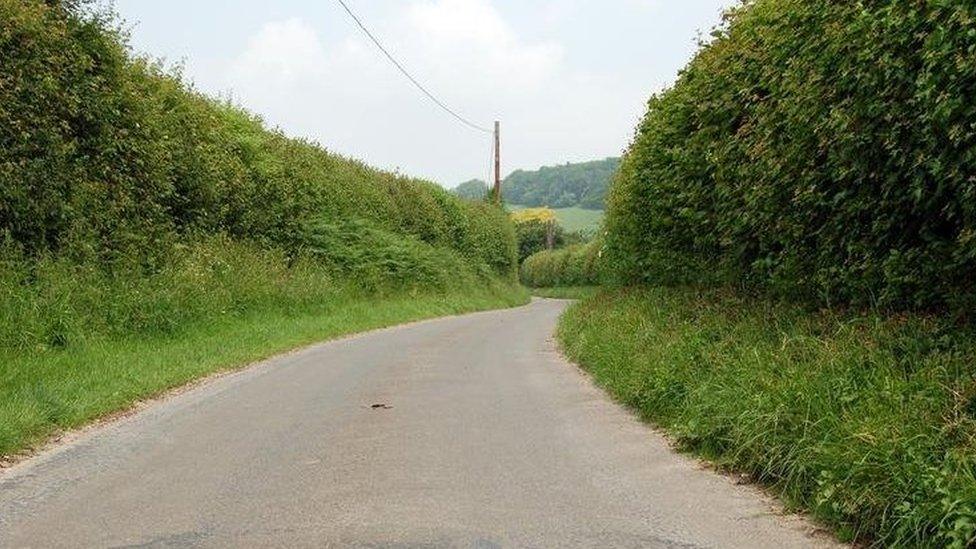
(576, 265)
(533, 227)
(818, 150)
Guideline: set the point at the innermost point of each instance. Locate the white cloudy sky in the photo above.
(567, 78)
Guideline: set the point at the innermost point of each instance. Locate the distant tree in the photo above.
(537, 229)
(475, 189)
(584, 185)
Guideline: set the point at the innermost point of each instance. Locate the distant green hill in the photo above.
(583, 185)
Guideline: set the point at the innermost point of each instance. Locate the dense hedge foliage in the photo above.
(114, 175)
(575, 265)
(105, 156)
(816, 149)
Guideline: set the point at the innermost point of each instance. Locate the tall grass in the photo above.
(867, 421)
(566, 292)
(54, 303)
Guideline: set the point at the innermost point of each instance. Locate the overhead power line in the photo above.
(406, 73)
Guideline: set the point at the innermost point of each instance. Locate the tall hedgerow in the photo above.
(113, 159)
(131, 204)
(819, 150)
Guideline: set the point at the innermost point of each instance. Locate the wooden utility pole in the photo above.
(498, 162)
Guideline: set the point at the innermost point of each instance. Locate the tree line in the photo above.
(582, 185)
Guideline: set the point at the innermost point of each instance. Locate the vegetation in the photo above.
(814, 155)
(537, 229)
(137, 212)
(867, 421)
(111, 161)
(584, 223)
(475, 189)
(581, 185)
(537, 215)
(566, 292)
(575, 265)
(817, 150)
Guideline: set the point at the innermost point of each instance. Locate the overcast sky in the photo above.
(567, 78)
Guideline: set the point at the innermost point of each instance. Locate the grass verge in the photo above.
(568, 292)
(868, 422)
(42, 393)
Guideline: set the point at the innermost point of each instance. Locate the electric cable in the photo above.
(406, 73)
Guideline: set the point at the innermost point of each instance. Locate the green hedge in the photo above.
(107, 158)
(577, 265)
(819, 150)
(131, 204)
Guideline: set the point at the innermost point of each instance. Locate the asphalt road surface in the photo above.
(482, 436)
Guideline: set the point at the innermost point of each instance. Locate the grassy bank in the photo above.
(566, 292)
(42, 393)
(869, 422)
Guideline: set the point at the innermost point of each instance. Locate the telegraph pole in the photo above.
(498, 162)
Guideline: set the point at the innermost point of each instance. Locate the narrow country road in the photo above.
(485, 438)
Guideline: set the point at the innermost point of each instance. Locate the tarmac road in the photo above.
(482, 436)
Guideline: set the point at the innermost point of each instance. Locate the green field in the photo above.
(573, 219)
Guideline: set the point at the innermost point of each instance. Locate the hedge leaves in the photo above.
(818, 150)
